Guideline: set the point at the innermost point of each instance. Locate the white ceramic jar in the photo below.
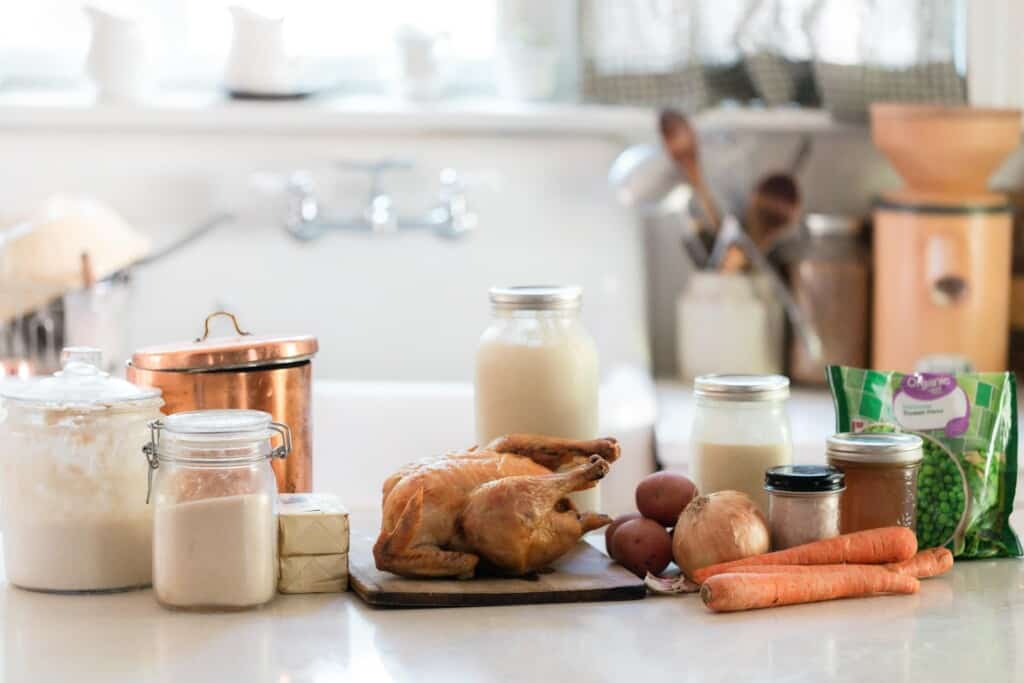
(214, 501)
(740, 430)
(537, 369)
(73, 480)
(729, 322)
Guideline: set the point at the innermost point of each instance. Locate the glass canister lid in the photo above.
(241, 350)
(536, 297)
(79, 384)
(219, 434)
(876, 447)
(217, 422)
(742, 387)
(216, 436)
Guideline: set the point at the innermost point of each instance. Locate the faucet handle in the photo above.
(452, 212)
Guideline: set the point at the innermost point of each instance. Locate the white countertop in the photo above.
(965, 626)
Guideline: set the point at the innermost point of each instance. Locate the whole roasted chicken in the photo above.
(504, 505)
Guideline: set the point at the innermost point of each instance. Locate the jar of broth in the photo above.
(881, 478)
(740, 430)
(537, 370)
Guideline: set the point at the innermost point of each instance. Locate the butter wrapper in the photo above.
(311, 524)
(314, 574)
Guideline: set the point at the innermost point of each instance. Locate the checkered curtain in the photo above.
(840, 54)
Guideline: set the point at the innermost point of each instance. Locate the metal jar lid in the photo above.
(742, 387)
(832, 225)
(897, 448)
(244, 350)
(537, 297)
(804, 479)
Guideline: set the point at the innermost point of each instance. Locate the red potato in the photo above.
(663, 495)
(611, 528)
(642, 545)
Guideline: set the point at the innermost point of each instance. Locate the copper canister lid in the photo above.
(242, 350)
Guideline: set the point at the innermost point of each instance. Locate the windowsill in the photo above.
(210, 111)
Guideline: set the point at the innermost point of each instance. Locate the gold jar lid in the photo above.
(242, 350)
(895, 448)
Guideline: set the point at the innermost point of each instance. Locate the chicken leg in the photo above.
(522, 524)
(555, 453)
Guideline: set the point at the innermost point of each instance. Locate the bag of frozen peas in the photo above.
(968, 422)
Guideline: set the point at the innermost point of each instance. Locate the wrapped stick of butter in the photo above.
(314, 574)
(311, 524)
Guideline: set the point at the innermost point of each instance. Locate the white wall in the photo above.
(384, 307)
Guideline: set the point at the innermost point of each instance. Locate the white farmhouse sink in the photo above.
(364, 431)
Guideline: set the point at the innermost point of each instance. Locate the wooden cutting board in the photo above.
(583, 575)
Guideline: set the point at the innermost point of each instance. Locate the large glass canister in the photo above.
(214, 499)
(73, 483)
(537, 369)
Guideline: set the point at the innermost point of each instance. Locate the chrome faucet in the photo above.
(306, 220)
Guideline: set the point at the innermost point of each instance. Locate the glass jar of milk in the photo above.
(740, 429)
(536, 370)
(214, 501)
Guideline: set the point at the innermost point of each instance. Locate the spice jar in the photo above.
(830, 279)
(74, 516)
(803, 503)
(740, 429)
(214, 502)
(881, 478)
(270, 373)
(537, 369)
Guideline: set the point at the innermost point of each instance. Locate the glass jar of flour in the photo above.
(740, 430)
(214, 502)
(75, 518)
(537, 370)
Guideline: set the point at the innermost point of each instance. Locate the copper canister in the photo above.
(269, 373)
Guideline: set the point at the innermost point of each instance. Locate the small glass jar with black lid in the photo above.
(803, 503)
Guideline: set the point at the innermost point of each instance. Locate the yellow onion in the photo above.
(718, 527)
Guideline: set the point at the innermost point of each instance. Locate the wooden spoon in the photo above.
(681, 144)
(774, 207)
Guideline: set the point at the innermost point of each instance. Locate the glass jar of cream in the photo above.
(537, 370)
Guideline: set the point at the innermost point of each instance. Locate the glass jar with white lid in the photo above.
(537, 369)
(740, 430)
(75, 517)
(214, 499)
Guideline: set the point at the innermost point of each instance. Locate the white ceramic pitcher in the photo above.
(120, 58)
(258, 62)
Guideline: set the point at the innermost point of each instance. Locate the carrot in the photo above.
(928, 562)
(925, 564)
(735, 592)
(874, 546)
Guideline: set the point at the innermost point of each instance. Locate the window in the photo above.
(45, 41)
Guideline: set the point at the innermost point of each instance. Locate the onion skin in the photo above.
(719, 527)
